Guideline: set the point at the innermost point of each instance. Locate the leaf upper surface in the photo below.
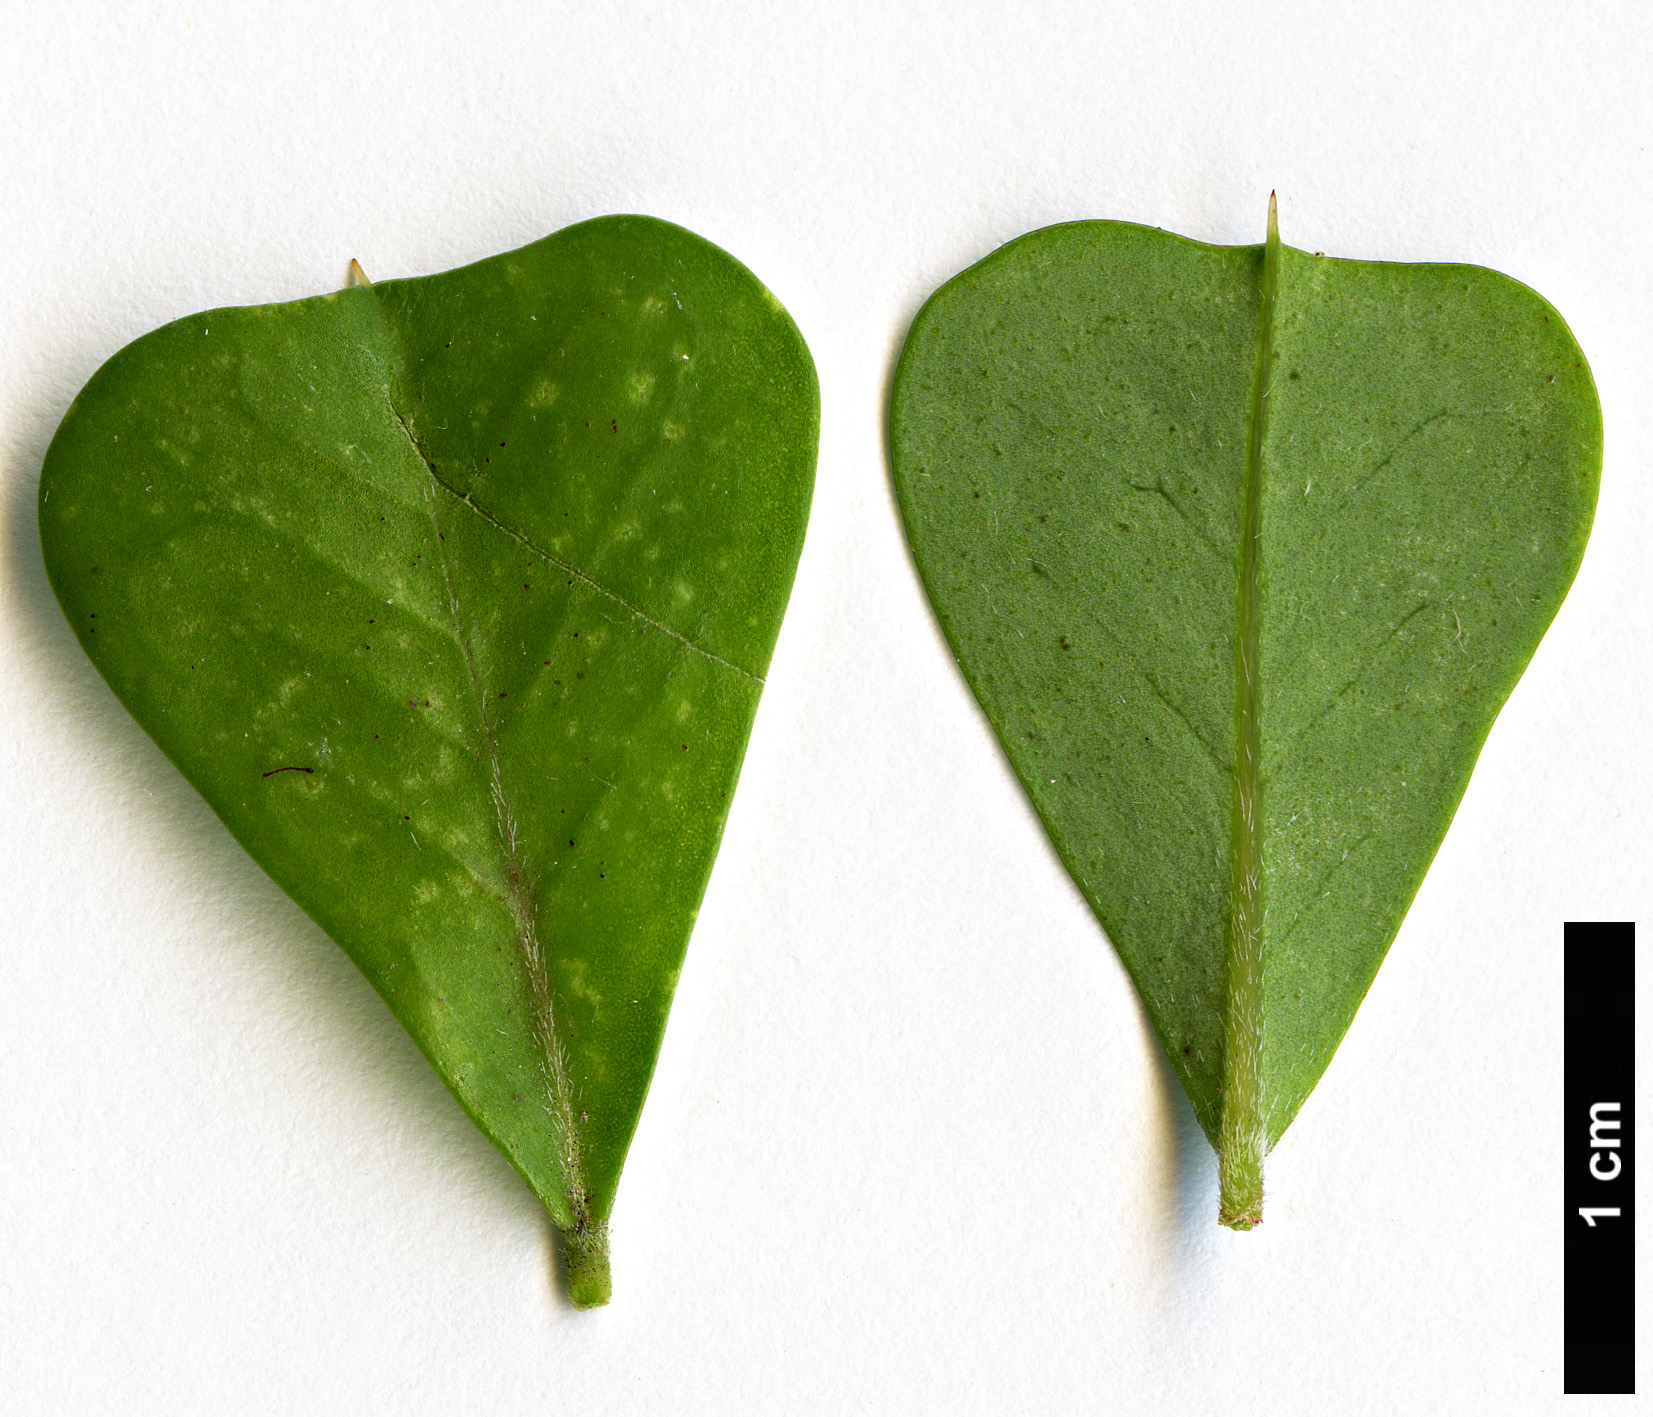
(453, 596)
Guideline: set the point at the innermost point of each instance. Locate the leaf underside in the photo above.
(1241, 550)
(454, 597)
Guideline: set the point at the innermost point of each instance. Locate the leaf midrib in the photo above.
(585, 1230)
(520, 899)
(1243, 1137)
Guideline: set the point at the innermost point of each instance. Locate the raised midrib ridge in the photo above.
(1243, 1139)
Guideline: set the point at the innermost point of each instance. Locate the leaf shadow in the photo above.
(1187, 1164)
(350, 1023)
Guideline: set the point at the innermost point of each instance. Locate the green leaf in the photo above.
(1241, 550)
(454, 597)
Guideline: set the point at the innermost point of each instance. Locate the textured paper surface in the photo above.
(910, 1148)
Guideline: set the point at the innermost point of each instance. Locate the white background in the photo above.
(911, 1148)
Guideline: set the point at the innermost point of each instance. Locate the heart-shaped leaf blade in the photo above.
(1242, 550)
(453, 596)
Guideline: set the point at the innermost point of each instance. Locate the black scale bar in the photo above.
(1600, 1157)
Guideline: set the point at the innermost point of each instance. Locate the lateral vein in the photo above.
(465, 499)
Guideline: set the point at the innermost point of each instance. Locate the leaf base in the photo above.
(585, 1252)
(1241, 1205)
